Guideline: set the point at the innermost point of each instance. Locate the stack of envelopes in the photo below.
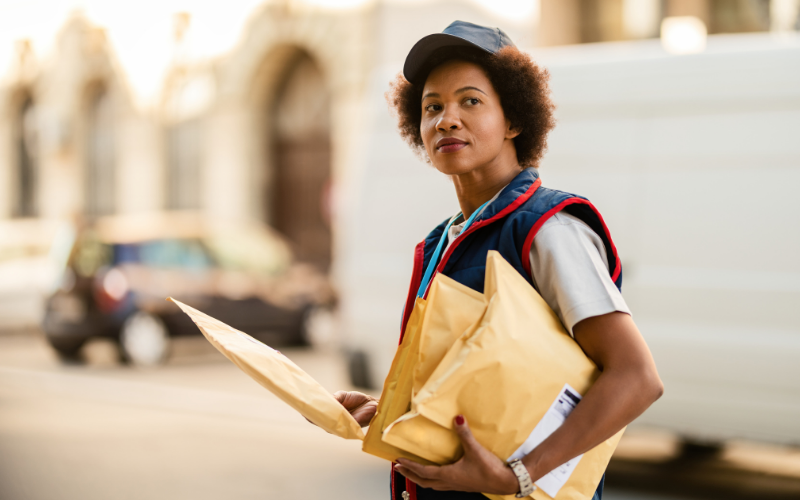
(503, 360)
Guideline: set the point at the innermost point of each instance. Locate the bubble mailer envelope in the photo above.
(277, 373)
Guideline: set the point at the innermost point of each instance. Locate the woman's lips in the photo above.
(450, 145)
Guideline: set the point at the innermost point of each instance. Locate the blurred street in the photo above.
(198, 428)
(242, 158)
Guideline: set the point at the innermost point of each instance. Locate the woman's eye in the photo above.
(472, 101)
(433, 107)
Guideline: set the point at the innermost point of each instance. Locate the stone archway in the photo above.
(253, 82)
(299, 190)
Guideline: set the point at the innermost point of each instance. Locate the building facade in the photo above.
(274, 129)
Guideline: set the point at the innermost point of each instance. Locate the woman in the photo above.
(479, 111)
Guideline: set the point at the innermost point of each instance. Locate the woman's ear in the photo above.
(511, 132)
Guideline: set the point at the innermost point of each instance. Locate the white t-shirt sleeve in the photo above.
(570, 270)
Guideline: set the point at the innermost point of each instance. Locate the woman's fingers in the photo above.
(351, 399)
(424, 471)
(444, 478)
(361, 406)
(478, 470)
(340, 396)
(364, 414)
(468, 441)
(427, 476)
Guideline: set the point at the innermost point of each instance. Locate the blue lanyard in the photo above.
(435, 257)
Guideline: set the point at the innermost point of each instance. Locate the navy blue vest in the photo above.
(507, 225)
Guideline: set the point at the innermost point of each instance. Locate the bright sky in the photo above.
(141, 32)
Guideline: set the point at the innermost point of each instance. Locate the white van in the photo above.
(694, 161)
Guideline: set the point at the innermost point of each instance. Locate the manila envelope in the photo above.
(416, 358)
(277, 373)
(396, 394)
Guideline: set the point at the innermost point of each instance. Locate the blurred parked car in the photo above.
(122, 268)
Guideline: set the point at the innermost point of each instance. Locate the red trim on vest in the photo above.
(411, 488)
(416, 279)
(526, 247)
(510, 208)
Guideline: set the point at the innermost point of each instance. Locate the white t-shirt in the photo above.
(570, 269)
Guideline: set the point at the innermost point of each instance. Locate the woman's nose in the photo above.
(448, 121)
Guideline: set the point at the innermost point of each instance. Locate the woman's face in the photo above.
(463, 126)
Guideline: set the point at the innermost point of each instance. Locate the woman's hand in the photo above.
(361, 406)
(479, 470)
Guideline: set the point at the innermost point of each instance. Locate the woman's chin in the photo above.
(453, 166)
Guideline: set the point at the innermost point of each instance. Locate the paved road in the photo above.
(196, 428)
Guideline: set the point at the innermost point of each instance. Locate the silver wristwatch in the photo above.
(526, 486)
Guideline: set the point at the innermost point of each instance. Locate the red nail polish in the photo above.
(459, 420)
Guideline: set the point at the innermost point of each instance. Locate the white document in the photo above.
(552, 482)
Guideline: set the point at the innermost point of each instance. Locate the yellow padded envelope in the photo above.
(277, 373)
(515, 374)
(416, 358)
(396, 394)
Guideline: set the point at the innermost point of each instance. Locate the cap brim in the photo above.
(417, 58)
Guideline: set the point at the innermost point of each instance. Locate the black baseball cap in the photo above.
(458, 34)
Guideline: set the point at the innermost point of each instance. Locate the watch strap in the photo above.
(526, 486)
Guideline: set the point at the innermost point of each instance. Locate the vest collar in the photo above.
(510, 195)
(516, 192)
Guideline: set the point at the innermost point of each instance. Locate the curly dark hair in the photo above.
(521, 84)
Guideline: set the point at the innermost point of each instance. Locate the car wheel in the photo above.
(144, 340)
(69, 354)
(358, 369)
(700, 450)
(317, 328)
